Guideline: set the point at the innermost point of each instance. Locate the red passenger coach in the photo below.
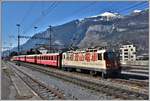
(22, 58)
(49, 59)
(31, 58)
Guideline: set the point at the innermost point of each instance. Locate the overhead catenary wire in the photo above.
(131, 7)
(43, 14)
(26, 14)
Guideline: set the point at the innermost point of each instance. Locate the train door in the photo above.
(59, 60)
(24, 58)
(35, 59)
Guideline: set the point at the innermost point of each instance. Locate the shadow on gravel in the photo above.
(132, 76)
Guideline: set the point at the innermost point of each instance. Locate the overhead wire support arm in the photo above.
(26, 37)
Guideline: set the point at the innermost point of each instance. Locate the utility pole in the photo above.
(50, 43)
(18, 25)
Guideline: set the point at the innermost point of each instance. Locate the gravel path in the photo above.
(7, 89)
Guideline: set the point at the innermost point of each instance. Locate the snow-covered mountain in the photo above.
(108, 14)
(137, 11)
(105, 16)
(99, 30)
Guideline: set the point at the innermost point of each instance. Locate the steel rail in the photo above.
(44, 91)
(109, 90)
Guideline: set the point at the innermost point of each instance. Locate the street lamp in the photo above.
(18, 25)
(50, 29)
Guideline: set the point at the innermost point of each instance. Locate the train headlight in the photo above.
(108, 65)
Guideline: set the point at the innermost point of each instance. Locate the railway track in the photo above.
(110, 90)
(135, 83)
(42, 90)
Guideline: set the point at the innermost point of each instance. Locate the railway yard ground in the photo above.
(33, 82)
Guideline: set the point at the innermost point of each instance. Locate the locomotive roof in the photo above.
(87, 50)
(50, 54)
(39, 54)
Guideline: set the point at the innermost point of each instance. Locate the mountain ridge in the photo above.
(103, 31)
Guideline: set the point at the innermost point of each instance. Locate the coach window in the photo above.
(55, 57)
(99, 56)
(64, 56)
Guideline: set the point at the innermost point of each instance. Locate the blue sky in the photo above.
(41, 14)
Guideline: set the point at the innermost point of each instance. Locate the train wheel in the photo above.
(118, 74)
(64, 69)
(104, 75)
(93, 73)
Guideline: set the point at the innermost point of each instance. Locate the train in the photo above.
(95, 61)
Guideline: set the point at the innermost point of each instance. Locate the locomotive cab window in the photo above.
(99, 56)
(105, 56)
